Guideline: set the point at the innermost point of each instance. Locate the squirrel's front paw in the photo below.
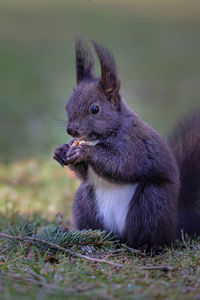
(76, 154)
(60, 154)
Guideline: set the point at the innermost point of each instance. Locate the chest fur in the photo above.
(112, 201)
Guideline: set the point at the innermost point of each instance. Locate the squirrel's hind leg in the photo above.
(151, 219)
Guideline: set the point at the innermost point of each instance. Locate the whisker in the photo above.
(62, 105)
(59, 123)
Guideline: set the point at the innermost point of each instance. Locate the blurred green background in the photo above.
(156, 45)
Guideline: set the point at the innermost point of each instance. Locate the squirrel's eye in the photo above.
(94, 109)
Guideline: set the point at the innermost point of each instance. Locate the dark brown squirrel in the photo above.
(130, 176)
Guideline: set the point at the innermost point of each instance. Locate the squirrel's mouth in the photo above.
(91, 137)
(91, 140)
(84, 142)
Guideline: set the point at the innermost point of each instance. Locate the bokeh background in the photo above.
(156, 44)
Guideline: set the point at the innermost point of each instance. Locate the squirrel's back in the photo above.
(185, 145)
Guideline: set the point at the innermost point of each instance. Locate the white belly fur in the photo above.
(112, 201)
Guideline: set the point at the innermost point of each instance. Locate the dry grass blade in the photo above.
(165, 268)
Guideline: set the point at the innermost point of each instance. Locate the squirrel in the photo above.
(134, 184)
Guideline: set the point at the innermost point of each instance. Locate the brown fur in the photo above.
(185, 144)
(128, 151)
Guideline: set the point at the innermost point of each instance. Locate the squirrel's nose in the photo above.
(71, 131)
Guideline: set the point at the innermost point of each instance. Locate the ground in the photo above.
(35, 191)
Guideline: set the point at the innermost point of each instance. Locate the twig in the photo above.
(34, 240)
(113, 251)
(159, 267)
(134, 251)
(3, 251)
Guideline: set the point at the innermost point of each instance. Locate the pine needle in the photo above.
(34, 241)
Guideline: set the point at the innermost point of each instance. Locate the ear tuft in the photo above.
(109, 77)
(84, 61)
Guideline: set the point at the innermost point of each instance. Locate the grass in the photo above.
(38, 191)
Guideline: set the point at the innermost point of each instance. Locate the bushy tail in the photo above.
(185, 145)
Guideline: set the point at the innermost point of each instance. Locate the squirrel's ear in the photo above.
(84, 61)
(109, 77)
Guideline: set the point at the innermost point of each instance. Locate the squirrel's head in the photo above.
(94, 107)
